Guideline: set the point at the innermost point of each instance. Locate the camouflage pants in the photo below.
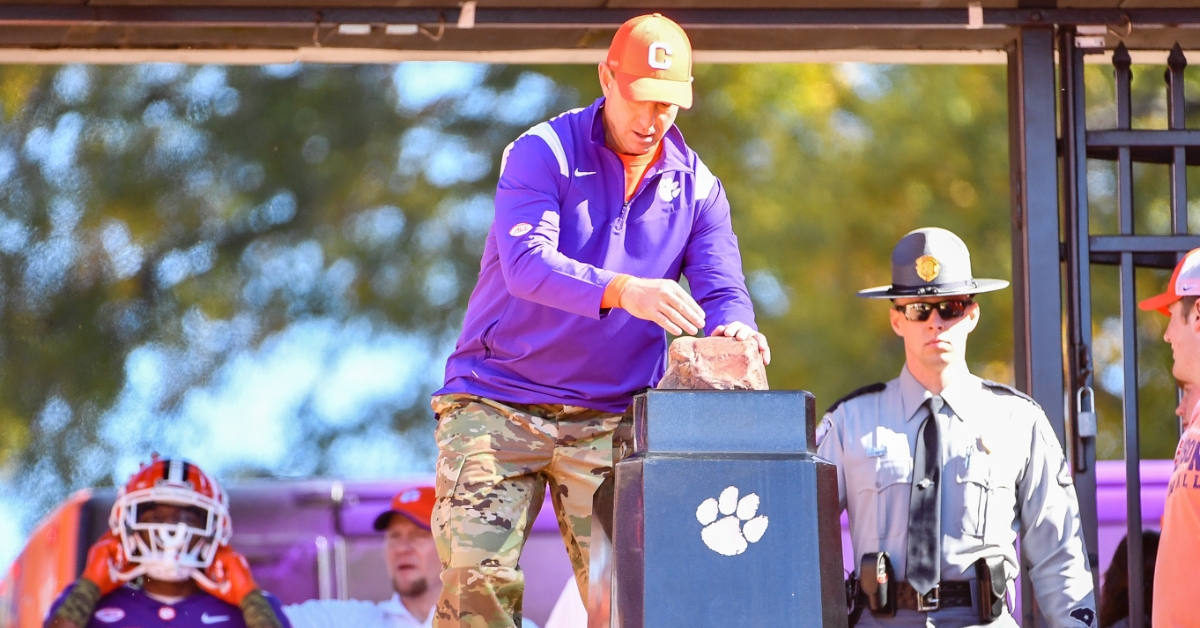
(494, 461)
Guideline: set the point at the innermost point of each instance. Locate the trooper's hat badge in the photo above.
(928, 268)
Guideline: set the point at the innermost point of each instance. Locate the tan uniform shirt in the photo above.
(1003, 471)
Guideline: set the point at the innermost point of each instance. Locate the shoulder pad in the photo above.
(1005, 389)
(865, 390)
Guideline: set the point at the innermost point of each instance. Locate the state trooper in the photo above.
(938, 469)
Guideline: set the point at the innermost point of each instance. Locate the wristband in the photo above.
(258, 612)
(79, 604)
(612, 292)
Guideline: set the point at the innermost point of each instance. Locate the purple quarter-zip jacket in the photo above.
(534, 331)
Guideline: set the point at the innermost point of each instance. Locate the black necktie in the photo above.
(924, 558)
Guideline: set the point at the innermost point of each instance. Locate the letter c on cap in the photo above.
(652, 59)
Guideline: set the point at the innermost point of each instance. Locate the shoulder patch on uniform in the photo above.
(1084, 615)
(1006, 389)
(865, 390)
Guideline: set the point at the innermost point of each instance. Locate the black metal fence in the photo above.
(1175, 147)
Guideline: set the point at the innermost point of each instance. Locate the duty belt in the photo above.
(946, 594)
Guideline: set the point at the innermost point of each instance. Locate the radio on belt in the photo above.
(878, 583)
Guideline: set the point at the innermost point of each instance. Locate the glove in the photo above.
(228, 578)
(104, 560)
(664, 302)
(99, 578)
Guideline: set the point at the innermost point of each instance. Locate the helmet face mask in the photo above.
(171, 519)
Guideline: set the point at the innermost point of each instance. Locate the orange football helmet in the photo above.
(177, 550)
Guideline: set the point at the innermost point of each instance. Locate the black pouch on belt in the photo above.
(993, 585)
(878, 583)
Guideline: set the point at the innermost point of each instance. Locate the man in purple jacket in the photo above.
(599, 212)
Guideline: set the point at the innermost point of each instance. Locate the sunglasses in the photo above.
(948, 310)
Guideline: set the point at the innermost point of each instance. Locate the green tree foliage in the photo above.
(830, 173)
(194, 213)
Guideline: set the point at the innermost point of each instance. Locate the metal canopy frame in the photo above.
(568, 26)
(550, 17)
(1052, 247)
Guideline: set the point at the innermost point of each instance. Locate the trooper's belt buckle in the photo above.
(929, 602)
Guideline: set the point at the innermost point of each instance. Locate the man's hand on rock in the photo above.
(742, 331)
(663, 302)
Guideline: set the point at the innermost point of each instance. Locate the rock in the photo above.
(716, 363)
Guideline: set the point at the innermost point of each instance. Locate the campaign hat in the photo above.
(931, 262)
(651, 58)
(415, 504)
(1185, 282)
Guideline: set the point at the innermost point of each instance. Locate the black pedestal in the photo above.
(723, 516)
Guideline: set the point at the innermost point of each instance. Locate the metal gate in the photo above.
(1128, 250)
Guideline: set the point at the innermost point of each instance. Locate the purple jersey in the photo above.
(128, 607)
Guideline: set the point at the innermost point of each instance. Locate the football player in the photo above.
(165, 561)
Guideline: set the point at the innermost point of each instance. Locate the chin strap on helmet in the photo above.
(207, 583)
(125, 576)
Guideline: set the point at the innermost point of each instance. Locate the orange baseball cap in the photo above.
(1185, 282)
(416, 504)
(652, 59)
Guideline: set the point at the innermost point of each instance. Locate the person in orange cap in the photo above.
(412, 565)
(600, 212)
(1175, 584)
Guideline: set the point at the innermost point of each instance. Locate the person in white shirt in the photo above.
(569, 611)
(413, 566)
